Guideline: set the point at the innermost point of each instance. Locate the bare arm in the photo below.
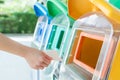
(11, 46)
(36, 59)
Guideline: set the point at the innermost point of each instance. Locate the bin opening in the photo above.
(88, 50)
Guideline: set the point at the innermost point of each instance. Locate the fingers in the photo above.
(47, 57)
(38, 67)
(46, 61)
(42, 65)
(42, 61)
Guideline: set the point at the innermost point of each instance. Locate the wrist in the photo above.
(24, 50)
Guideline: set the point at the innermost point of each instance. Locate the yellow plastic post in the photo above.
(109, 10)
(115, 67)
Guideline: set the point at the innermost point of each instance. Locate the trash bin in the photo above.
(91, 32)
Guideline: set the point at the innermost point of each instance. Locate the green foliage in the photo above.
(18, 23)
(1, 2)
(17, 16)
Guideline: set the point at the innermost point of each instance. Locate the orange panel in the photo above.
(74, 45)
(77, 8)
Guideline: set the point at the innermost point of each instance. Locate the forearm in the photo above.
(11, 46)
(36, 59)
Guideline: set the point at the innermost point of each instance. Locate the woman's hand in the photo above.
(37, 59)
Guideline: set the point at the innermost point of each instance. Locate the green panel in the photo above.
(51, 38)
(116, 3)
(60, 40)
(56, 7)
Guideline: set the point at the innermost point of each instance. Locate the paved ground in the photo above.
(14, 67)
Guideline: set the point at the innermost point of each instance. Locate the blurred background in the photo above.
(17, 21)
(17, 16)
